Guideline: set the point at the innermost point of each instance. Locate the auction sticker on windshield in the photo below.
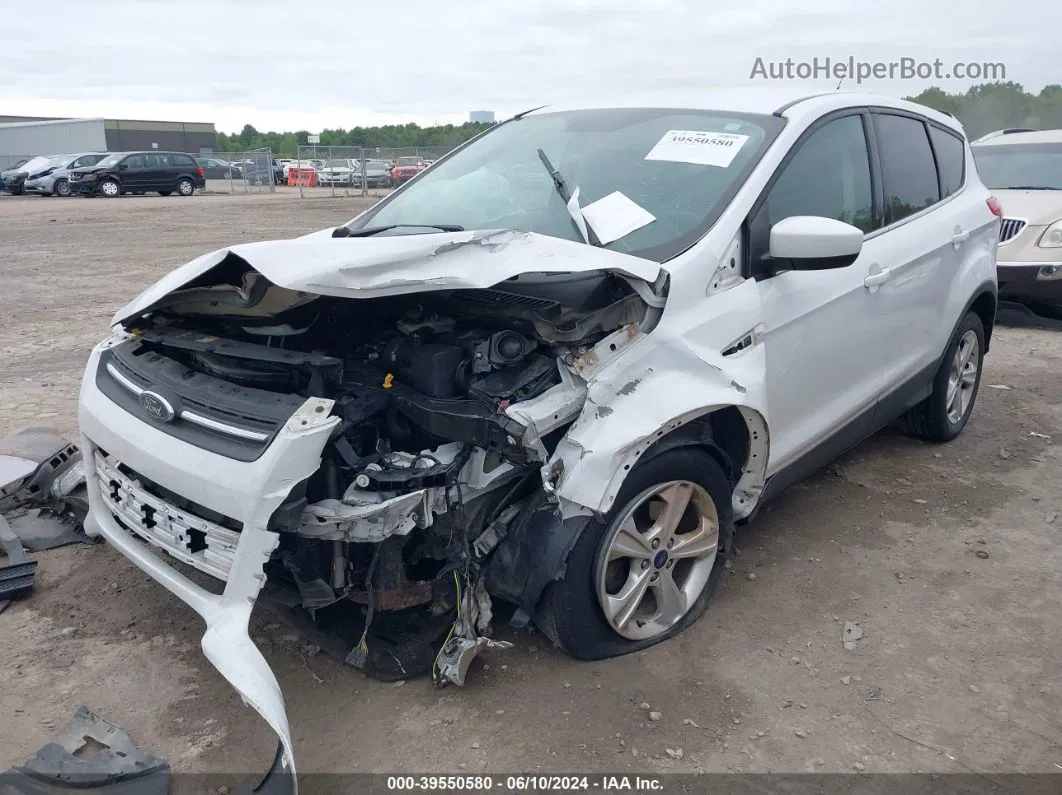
(700, 148)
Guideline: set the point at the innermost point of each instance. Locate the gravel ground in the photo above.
(946, 558)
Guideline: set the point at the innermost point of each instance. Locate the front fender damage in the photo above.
(658, 387)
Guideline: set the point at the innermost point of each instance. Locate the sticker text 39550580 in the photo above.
(698, 147)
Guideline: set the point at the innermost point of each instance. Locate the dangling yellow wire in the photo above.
(435, 665)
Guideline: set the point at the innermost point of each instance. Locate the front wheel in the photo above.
(943, 415)
(648, 569)
(62, 188)
(110, 189)
(185, 186)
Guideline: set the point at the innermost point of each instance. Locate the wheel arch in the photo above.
(984, 303)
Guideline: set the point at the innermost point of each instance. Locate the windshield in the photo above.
(111, 160)
(682, 166)
(1020, 165)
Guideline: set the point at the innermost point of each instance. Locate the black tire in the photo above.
(570, 613)
(61, 188)
(929, 420)
(165, 192)
(185, 187)
(103, 189)
(17, 190)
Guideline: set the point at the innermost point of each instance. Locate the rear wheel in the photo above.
(943, 415)
(648, 570)
(62, 188)
(110, 189)
(185, 186)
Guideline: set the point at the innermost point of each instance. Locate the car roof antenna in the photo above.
(839, 83)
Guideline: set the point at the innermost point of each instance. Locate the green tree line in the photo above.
(993, 106)
(981, 109)
(391, 136)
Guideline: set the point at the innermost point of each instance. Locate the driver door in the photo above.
(824, 351)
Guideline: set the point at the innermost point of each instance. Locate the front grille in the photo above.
(1010, 229)
(212, 414)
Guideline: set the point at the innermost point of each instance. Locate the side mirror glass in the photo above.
(810, 242)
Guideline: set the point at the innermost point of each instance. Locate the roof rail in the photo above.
(1005, 131)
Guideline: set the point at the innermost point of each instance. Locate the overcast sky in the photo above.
(285, 65)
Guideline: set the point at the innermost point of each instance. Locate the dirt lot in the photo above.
(946, 557)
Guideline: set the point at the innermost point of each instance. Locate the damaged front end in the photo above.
(364, 440)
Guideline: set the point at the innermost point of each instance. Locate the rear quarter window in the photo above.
(908, 168)
(951, 159)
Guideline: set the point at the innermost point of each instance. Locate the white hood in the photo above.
(371, 267)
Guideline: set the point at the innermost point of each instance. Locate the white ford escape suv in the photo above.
(556, 368)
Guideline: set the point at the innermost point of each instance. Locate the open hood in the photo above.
(371, 267)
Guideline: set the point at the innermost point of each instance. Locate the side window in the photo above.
(908, 170)
(135, 161)
(951, 159)
(185, 161)
(828, 176)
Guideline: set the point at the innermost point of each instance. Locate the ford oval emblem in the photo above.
(157, 406)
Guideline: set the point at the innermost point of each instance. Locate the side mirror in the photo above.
(811, 243)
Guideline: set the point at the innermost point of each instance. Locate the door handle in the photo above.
(878, 279)
(959, 238)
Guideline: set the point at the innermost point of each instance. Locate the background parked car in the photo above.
(215, 168)
(263, 171)
(14, 179)
(377, 174)
(140, 172)
(338, 171)
(1024, 169)
(406, 168)
(55, 179)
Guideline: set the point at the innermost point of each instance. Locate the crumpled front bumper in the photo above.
(40, 186)
(247, 492)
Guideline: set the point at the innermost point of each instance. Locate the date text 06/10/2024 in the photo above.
(523, 783)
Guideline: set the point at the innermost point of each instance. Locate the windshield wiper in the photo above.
(1032, 187)
(342, 231)
(562, 189)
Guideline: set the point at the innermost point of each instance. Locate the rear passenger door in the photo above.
(919, 257)
(162, 172)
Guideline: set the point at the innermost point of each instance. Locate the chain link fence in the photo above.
(337, 171)
(256, 171)
(320, 170)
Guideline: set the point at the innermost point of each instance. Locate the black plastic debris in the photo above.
(93, 756)
(42, 492)
(19, 574)
(1012, 313)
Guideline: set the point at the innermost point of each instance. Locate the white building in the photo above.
(25, 139)
(481, 117)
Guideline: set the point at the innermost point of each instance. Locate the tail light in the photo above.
(200, 171)
(995, 206)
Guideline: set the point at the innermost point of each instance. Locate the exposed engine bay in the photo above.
(390, 552)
